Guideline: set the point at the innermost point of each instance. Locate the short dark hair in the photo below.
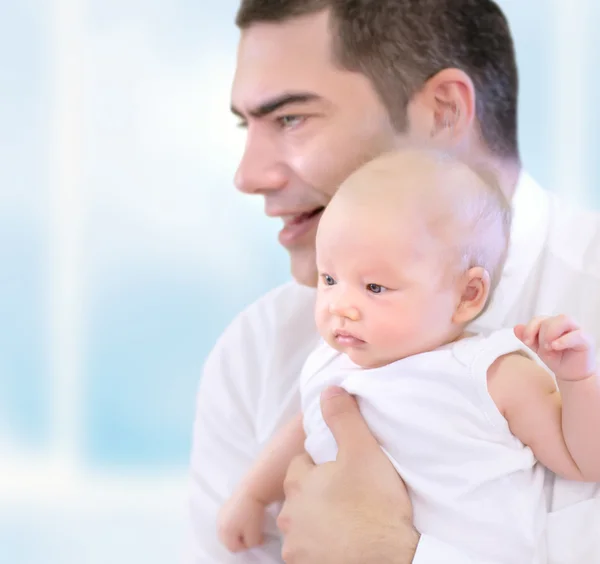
(400, 44)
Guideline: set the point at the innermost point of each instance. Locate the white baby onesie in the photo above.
(472, 483)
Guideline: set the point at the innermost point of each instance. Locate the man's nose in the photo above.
(260, 171)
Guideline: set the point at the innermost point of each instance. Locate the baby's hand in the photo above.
(241, 522)
(561, 345)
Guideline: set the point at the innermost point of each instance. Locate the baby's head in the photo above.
(408, 253)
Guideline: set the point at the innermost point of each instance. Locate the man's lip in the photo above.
(289, 216)
(297, 227)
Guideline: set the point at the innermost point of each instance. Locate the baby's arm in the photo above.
(562, 432)
(241, 518)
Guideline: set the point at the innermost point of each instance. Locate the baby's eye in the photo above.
(375, 288)
(329, 281)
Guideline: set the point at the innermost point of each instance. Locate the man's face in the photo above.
(309, 125)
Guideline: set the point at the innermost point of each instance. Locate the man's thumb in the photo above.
(342, 416)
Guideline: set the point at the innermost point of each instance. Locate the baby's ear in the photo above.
(475, 290)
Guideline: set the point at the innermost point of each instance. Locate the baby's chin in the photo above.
(365, 359)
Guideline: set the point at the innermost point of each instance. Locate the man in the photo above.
(322, 87)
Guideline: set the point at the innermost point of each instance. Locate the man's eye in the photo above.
(375, 288)
(289, 122)
(328, 280)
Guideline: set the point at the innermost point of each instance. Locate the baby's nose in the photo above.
(342, 308)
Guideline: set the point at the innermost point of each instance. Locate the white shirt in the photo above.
(249, 386)
(471, 482)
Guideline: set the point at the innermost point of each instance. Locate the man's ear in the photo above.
(444, 109)
(475, 290)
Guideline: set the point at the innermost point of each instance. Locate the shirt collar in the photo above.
(531, 214)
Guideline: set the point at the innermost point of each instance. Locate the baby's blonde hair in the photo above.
(488, 243)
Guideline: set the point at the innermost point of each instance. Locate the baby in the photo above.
(408, 253)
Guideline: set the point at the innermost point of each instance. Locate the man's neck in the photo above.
(508, 174)
(506, 171)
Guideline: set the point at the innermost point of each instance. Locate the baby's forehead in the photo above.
(386, 200)
(377, 232)
(400, 185)
(417, 187)
(411, 186)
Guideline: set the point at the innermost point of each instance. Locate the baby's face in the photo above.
(383, 293)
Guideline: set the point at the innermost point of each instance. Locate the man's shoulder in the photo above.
(573, 231)
(270, 318)
(574, 236)
(254, 367)
(277, 306)
(259, 356)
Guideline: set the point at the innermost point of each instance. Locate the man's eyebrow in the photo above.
(269, 106)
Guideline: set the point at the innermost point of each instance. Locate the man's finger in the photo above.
(342, 416)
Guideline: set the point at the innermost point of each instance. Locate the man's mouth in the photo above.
(300, 218)
(296, 227)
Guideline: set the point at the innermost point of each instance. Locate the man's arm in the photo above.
(355, 510)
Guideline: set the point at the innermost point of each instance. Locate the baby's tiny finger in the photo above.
(235, 543)
(531, 334)
(558, 326)
(574, 340)
(253, 537)
(519, 331)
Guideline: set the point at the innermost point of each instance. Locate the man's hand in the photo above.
(352, 511)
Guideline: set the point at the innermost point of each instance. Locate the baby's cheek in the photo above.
(383, 343)
(395, 330)
(321, 316)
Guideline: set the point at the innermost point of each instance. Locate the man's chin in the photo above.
(303, 268)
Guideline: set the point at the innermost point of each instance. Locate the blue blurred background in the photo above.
(126, 251)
